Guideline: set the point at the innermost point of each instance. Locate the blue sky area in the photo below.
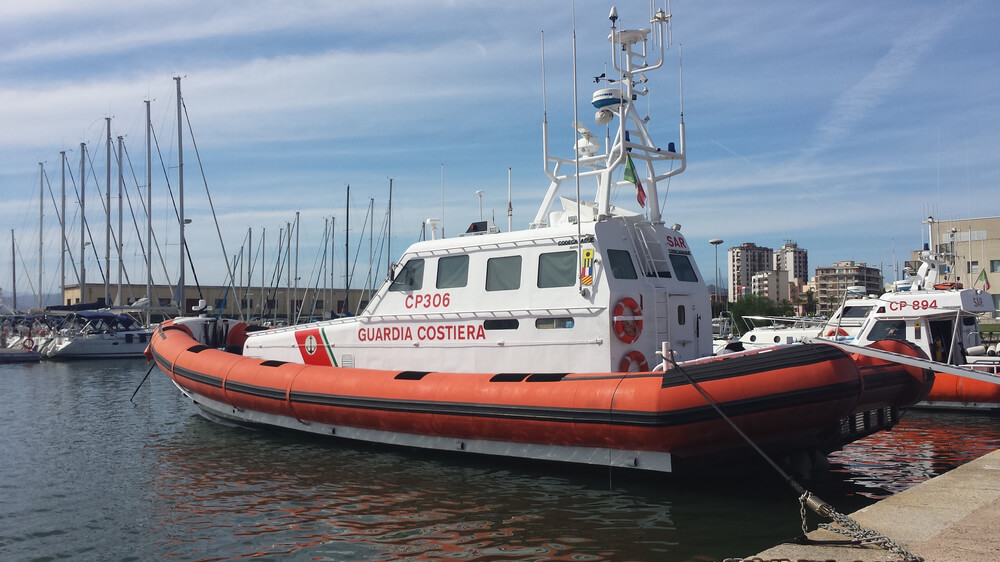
(840, 125)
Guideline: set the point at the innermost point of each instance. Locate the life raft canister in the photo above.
(633, 358)
(627, 328)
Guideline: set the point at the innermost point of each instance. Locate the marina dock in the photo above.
(952, 517)
(18, 356)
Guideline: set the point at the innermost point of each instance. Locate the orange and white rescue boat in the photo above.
(538, 343)
(797, 400)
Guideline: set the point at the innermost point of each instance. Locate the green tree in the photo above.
(756, 305)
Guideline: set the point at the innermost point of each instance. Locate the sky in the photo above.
(838, 125)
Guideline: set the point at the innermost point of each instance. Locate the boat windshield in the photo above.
(856, 312)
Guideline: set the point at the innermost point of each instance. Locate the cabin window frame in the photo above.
(454, 278)
(553, 271)
(617, 262)
(683, 268)
(497, 279)
(410, 277)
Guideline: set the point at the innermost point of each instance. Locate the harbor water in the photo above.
(85, 473)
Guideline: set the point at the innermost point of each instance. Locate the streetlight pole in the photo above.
(715, 242)
(479, 192)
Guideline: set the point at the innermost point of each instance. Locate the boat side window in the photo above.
(553, 323)
(621, 264)
(681, 315)
(888, 330)
(503, 274)
(453, 272)
(410, 278)
(683, 268)
(500, 324)
(557, 269)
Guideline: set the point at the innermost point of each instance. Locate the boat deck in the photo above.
(953, 517)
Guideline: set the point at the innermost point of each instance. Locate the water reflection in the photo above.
(923, 446)
(85, 473)
(291, 494)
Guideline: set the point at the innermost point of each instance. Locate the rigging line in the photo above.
(357, 253)
(131, 210)
(62, 222)
(121, 243)
(151, 367)
(218, 229)
(69, 249)
(236, 262)
(250, 272)
(375, 258)
(322, 263)
(24, 267)
(271, 302)
(90, 234)
(159, 251)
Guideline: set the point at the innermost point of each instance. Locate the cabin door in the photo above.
(677, 323)
(944, 343)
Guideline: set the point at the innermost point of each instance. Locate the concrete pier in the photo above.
(953, 517)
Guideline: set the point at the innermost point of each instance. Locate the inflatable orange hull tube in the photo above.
(789, 397)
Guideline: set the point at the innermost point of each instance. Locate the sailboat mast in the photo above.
(13, 270)
(107, 223)
(62, 228)
(347, 254)
(333, 235)
(263, 250)
(371, 247)
(295, 299)
(41, 213)
(181, 302)
(388, 257)
(149, 218)
(83, 223)
(246, 289)
(288, 273)
(121, 180)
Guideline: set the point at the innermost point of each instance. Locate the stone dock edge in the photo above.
(954, 516)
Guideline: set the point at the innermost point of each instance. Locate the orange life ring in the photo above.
(633, 358)
(627, 329)
(28, 344)
(838, 331)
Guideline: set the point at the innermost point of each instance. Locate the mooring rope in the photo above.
(846, 525)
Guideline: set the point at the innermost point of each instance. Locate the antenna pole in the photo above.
(388, 258)
(576, 161)
(442, 201)
(510, 207)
